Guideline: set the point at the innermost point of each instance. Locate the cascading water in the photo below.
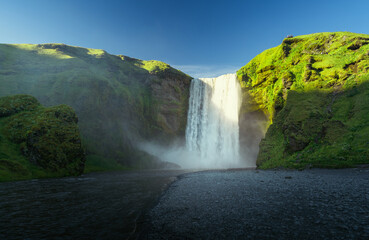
(212, 126)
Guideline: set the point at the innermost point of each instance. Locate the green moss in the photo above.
(154, 66)
(37, 141)
(319, 129)
(17, 103)
(95, 163)
(314, 89)
(303, 63)
(112, 95)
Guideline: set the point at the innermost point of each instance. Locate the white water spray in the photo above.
(212, 126)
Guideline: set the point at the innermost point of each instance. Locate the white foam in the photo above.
(212, 132)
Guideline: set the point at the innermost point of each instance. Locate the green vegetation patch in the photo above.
(38, 141)
(95, 163)
(314, 90)
(319, 129)
(17, 103)
(326, 61)
(118, 99)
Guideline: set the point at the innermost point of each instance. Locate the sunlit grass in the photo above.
(313, 61)
(154, 66)
(314, 89)
(96, 52)
(40, 50)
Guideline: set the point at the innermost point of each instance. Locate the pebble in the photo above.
(304, 208)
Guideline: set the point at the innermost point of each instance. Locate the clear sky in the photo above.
(202, 38)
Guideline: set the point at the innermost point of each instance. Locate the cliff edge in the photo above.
(314, 92)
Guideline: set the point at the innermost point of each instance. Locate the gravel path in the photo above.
(310, 204)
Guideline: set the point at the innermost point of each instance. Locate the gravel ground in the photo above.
(310, 204)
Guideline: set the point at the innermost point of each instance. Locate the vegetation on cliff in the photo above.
(37, 141)
(119, 100)
(314, 91)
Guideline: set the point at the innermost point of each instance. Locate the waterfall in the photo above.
(212, 131)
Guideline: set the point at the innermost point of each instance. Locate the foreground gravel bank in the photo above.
(311, 204)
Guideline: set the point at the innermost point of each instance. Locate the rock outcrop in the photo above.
(47, 137)
(313, 90)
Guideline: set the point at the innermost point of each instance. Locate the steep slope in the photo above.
(313, 89)
(118, 100)
(38, 141)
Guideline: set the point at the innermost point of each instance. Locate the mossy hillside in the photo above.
(314, 89)
(37, 141)
(167, 98)
(325, 61)
(319, 129)
(119, 100)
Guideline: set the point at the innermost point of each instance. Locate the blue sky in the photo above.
(202, 38)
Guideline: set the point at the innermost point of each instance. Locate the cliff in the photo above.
(38, 141)
(313, 91)
(119, 100)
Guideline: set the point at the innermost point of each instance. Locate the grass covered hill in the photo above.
(36, 141)
(314, 91)
(119, 100)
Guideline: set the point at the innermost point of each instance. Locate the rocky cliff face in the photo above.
(313, 90)
(119, 100)
(171, 93)
(38, 141)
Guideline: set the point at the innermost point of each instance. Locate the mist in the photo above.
(177, 153)
(217, 135)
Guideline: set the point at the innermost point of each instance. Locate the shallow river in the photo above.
(247, 204)
(93, 206)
